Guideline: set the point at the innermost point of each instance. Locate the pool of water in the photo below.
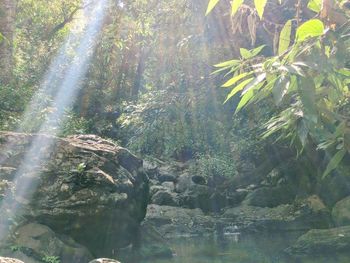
(237, 248)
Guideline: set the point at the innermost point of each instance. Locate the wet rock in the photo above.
(173, 222)
(322, 242)
(197, 196)
(198, 179)
(184, 182)
(166, 178)
(88, 188)
(271, 196)
(155, 188)
(308, 214)
(335, 186)
(217, 201)
(236, 197)
(37, 241)
(151, 169)
(169, 186)
(165, 198)
(341, 212)
(152, 244)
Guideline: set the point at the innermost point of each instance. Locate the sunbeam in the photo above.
(63, 83)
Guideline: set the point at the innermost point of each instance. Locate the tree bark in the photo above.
(7, 28)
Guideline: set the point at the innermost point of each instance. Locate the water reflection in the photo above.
(239, 248)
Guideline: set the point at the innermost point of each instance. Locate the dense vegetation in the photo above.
(233, 116)
(150, 86)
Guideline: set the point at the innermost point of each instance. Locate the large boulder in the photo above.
(9, 260)
(197, 196)
(87, 188)
(341, 212)
(172, 222)
(165, 198)
(322, 242)
(152, 244)
(309, 213)
(34, 242)
(335, 186)
(271, 196)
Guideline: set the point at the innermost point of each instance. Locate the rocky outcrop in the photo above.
(9, 260)
(307, 214)
(42, 241)
(341, 212)
(271, 196)
(335, 186)
(173, 222)
(86, 188)
(322, 242)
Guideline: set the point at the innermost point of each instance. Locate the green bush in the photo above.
(214, 166)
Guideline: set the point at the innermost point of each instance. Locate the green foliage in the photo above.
(15, 248)
(309, 82)
(74, 124)
(51, 259)
(285, 37)
(236, 4)
(311, 28)
(168, 125)
(81, 168)
(214, 165)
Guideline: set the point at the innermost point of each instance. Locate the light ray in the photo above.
(69, 79)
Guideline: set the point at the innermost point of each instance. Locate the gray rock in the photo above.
(165, 198)
(335, 186)
(198, 179)
(271, 196)
(322, 242)
(42, 241)
(166, 178)
(341, 212)
(197, 196)
(155, 188)
(151, 169)
(152, 244)
(172, 222)
(309, 213)
(184, 182)
(89, 189)
(169, 186)
(9, 260)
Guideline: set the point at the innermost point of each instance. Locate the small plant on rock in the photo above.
(51, 259)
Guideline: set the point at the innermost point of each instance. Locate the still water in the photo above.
(236, 248)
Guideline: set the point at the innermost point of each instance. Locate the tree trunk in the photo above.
(7, 28)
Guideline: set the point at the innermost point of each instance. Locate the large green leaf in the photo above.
(211, 5)
(308, 98)
(315, 5)
(245, 99)
(247, 54)
(260, 7)
(236, 4)
(334, 162)
(311, 28)
(229, 63)
(280, 89)
(285, 35)
(238, 88)
(235, 79)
